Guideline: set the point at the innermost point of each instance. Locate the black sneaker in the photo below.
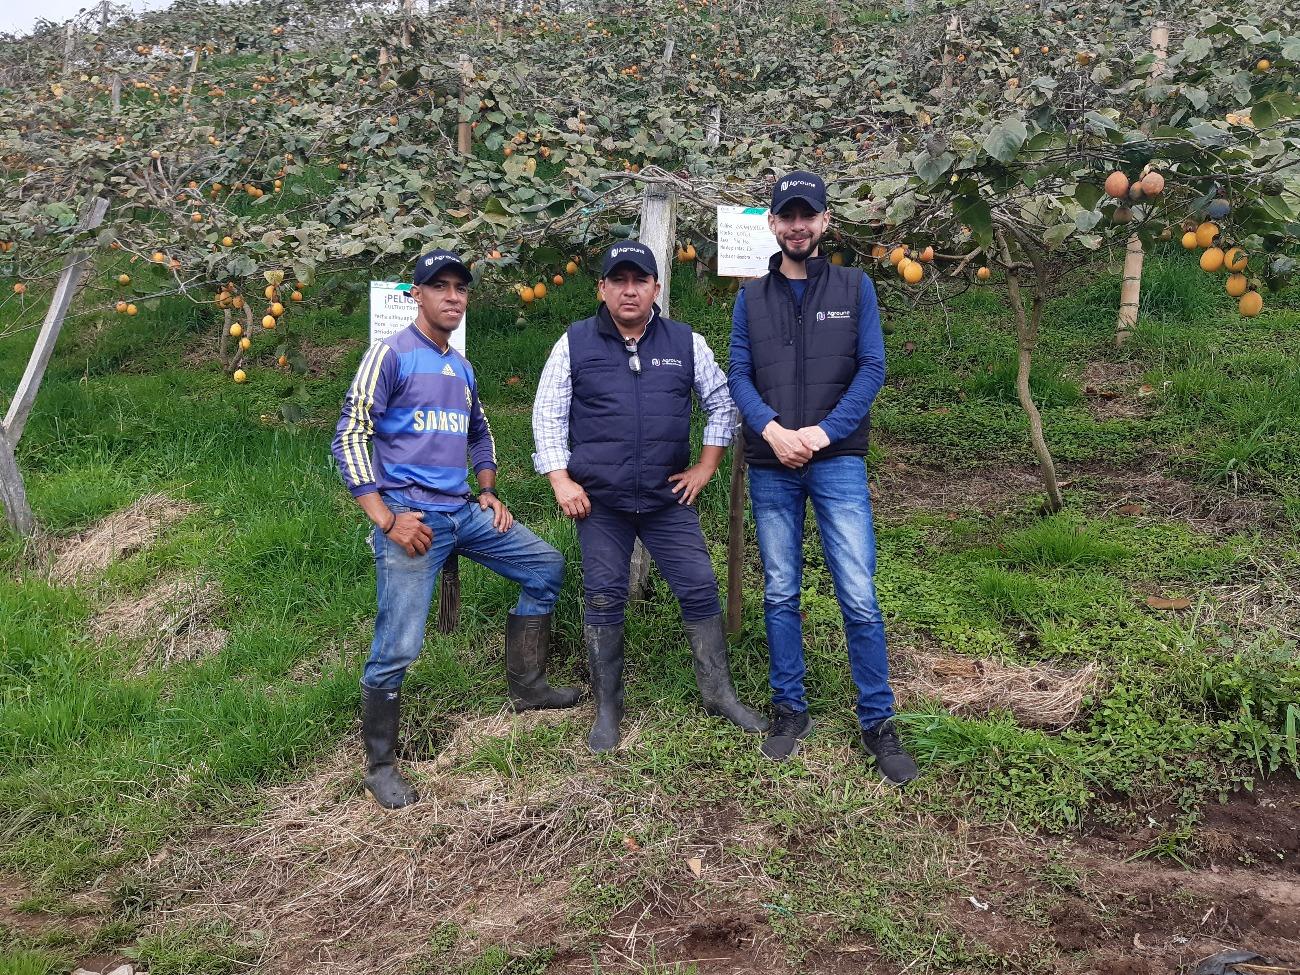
(882, 744)
(788, 729)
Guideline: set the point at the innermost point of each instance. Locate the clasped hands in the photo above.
(794, 448)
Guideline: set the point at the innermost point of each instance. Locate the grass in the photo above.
(101, 767)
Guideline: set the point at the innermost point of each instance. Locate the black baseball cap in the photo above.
(799, 185)
(430, 264)
(630, 252)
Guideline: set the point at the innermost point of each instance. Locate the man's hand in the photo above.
(814, 438)
(502, 519)
(788, 445)
(691, 481)
(569, 495)
(410, 532)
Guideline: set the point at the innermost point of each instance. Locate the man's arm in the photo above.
(867, 382)
(366, 400)
(551, 408)
(483, 458)
(711, 387)
(788, 445)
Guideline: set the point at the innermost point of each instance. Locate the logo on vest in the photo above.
(666, 362)
(832, 315)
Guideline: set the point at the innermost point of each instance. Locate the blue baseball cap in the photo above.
(431, 264)
(799, 185)
(630, 252)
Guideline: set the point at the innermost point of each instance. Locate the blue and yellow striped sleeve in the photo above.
(366, 399)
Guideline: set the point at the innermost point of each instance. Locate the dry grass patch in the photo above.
(1038, 696)
(338, 885)
(173, 619)
(118, 535)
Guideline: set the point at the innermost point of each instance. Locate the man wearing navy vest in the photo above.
(807, 360)
(612, 422)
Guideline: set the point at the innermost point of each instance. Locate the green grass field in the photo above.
(203, 815)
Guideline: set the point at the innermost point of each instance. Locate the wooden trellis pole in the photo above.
(13, 493)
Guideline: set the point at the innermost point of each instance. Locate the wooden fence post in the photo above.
(1130, 295)
(116, 95)
(69, 39)
(189, 84)
(658, 231)
(736, 535)
(13, 493)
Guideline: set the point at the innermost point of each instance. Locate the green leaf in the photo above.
(976, 214)
(1087, 195)
(1055, 236)
(1005, 140)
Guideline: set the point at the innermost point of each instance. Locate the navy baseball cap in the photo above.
(630, 252)
(428, 266)
(799, 185)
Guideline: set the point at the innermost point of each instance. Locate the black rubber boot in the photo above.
(528, 641)
(713, 675)
(605, 660)
(380, 710)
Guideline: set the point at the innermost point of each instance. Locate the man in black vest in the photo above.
(612, 421)
(807, 359)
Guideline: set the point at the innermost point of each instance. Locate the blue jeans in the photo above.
(842, 506)
(405, 583)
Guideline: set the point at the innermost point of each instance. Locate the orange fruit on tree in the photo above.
(245, 342)
(236, 330)
(282, 361)
(539, 289)
(1251, 304)
(131, 309)
(913, 273)
(983, 273)
(1263, 64)
(1117, 185)
(878, 251)
(1206, 232)
(897, 254)
(20, 288)
(1153, 183)
(240, 376)
(1189, 240)
(124, 279)
(557, 280)
(277, 309)
(268, 321)
(1212, 259)
(1235, 259)
(158, 257)
(296, 296)
(571, 268)
(227, 241)
(1236, 285)
(120, 307)
(927, 255)
(269, 291)
(526, 294)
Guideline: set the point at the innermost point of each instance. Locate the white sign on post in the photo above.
(744, 242)
(392, 308)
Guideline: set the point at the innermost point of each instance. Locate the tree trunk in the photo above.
(13, 495)
(1027, 341)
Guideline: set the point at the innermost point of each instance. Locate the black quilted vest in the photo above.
(804, 357)
(629, 431)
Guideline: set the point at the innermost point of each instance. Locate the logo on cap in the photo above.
(624, 250)
(785, 184)
(430, 261)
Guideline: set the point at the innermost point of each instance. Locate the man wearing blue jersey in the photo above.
(409, 420)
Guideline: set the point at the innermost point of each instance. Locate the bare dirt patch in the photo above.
(120, 534)
(902, 489)
(173, 618)
(1114, 391)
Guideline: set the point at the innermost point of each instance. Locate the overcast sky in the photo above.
(20, 16)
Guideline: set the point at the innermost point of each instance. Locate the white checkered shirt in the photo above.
(555, 394)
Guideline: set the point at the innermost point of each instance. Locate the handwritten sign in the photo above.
(744, 242)
(392, 308)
